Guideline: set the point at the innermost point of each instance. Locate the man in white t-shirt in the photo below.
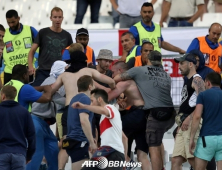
(129, 11)
(182, 13)
(110, 127)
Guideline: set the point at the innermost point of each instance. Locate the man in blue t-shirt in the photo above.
(79, 122)
(28, 94)
(208, 108)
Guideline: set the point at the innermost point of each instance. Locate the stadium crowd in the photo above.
(99, 110)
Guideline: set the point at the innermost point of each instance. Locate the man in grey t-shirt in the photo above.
(154, 85)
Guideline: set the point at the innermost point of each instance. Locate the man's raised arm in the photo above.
(122, 77)
(100, 77)
(120, 88)
(55, 86)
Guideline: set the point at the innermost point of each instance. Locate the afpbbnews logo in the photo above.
(103, 163)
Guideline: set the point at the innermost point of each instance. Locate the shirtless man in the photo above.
(69, 80)
(154, 85)
(135, 129)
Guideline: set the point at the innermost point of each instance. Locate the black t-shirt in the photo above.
(51, 45)
(188, 99)
(108, 73)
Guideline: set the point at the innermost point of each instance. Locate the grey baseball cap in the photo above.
(105, 54)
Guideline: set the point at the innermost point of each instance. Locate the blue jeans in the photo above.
(46, 145)
(183, 23)
(82, 7)
(10, 161)
(40, 76)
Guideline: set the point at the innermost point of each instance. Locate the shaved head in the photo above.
(215, 25)
(215, 32)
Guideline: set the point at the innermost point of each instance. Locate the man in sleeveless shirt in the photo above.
(191, 88)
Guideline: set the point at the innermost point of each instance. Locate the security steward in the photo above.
(82, 37)
(18, 41)
(137, 61)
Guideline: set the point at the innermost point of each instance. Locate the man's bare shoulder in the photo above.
(66, 74)
(87, 71)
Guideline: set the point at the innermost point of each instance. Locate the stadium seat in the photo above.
(77, 26)
(117, 25)
(68, 20)
(208, 19)
(68, 7)
(3, 22)
(156, 18)
(16, 5)
(100, 26)
(105, 7)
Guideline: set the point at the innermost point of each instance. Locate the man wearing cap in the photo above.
(137, 61)
(82, 37)
(129, 46)
(104, 61)
(154, 85)
(191, 88)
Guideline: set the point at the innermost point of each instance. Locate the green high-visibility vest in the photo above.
(16, 48)
(18, 85)
(132, 54)
(154, 37)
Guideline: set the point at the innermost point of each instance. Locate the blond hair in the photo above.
(76, 47)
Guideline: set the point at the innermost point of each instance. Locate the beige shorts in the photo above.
(182, 142)
(59, 124)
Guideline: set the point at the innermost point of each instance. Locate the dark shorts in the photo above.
(115, 156)
(155, 129)
(96, 120)
(64, 120)
(134, 127)
(78, 153)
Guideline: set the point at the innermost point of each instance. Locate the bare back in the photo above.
(69, 80)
